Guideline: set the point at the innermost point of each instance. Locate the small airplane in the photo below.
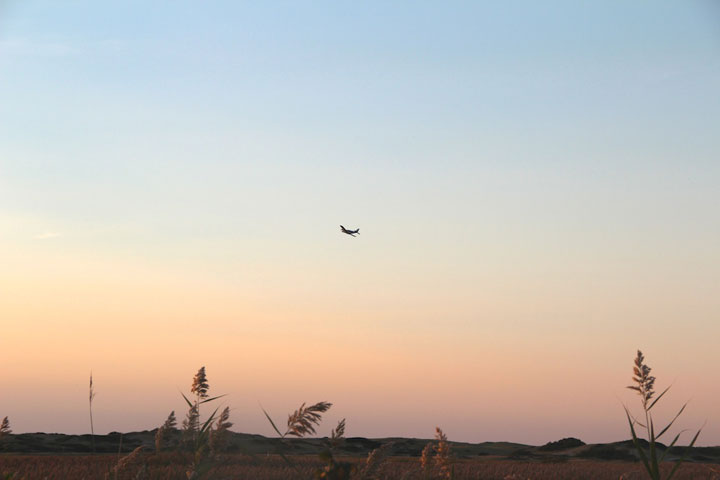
(352, 233)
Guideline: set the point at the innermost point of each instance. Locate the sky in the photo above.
(535, 183)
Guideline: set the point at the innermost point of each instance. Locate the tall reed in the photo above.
(219, 436)
(644, 385)
(91, 397)
(300, 423)
(439, 465)
(200, 441)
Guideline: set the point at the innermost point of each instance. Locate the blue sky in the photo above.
(197, 108)
(547, 166)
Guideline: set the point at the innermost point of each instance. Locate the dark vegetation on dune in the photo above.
(250, 444)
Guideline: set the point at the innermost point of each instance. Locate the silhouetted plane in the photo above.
(352, 233)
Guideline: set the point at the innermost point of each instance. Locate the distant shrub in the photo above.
(563, 444)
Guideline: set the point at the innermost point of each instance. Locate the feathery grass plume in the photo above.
(300, 423)
(5, 427)
(644, 382)
(334, 469)
(200, 385)
(91, 397)
(645, 387)
(337, 434)
(303, 420)
(442, 455)
(425, 459)
(4, 431)
(200, 388)
(219, 436)
(170, 422)
(164, 430)
(196, 433)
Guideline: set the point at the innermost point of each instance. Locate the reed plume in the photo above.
(436, 459)
(426, 459)
(4, 431)
(337, 434)
(191, 423)
(443, 456)
(164, 430)
(199, 388)
(303, 420)
(91, 397)
(5, 427)
(644, 385)
(219, 436)
(200, 385)
(170, 423)
(644, 382)
(196, 433)
(334, 469)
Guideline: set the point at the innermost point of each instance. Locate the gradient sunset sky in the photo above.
(536, 186)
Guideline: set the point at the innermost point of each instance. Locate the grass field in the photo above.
(270, 467)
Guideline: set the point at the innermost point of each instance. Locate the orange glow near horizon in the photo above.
(144, 332)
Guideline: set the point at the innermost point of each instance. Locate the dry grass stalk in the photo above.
(162, 433)
(338, 432)
(426, 459)
(191, 423)
(644, 382)
(4, 431)
(303, 420)
(5, 427)
(200, 385)
(219, 436)
(337, 435)
(91, 397)
(200, 389)
(442, 455)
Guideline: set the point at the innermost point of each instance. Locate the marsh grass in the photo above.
(300, 423)
(199, 434)
(5, 430)
(644, 385)
(91, 397)
(436, 460)
(126, 463)
(219, 436)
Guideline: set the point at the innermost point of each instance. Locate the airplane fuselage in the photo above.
(352, 233)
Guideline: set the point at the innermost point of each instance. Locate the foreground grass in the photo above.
(169, 466)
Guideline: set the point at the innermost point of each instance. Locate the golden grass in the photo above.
(170, 466)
